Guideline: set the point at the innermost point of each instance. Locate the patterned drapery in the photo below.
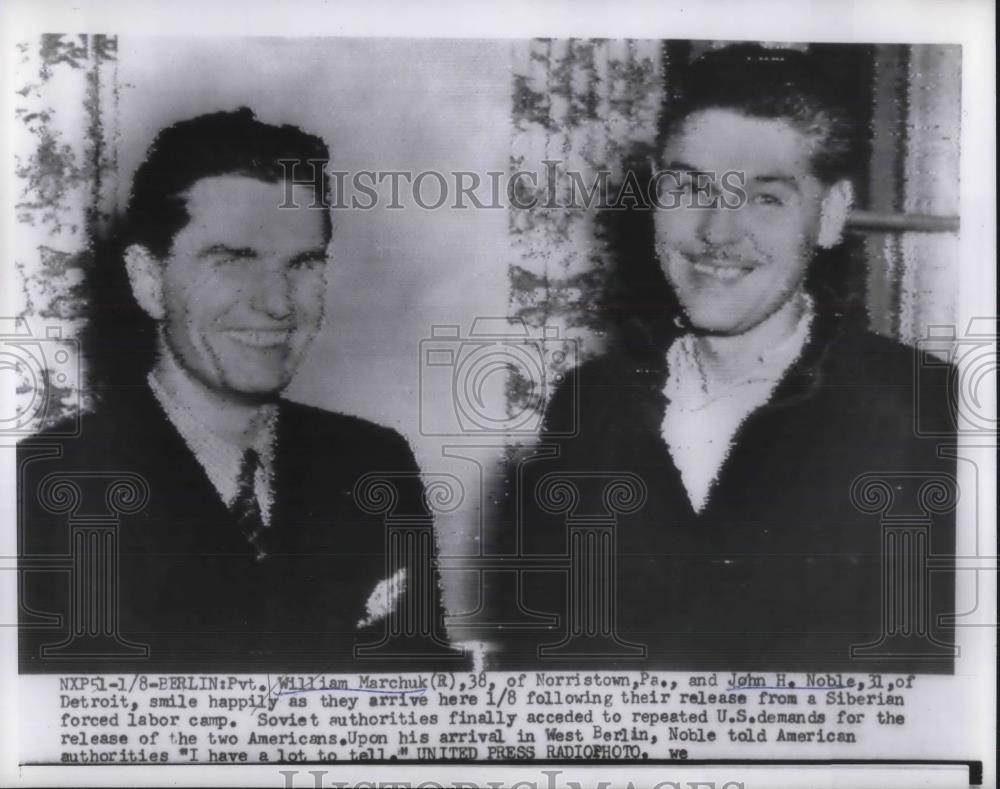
(580, 106)
(62, 177)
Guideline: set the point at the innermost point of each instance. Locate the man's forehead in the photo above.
(723, 139)
(239, 206)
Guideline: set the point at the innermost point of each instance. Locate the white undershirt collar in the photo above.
(703, 416)
(207, 430)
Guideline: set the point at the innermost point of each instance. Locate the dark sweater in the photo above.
(782, 569)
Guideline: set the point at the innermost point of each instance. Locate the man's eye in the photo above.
(767, 199)
(223, 257)
(307, 263)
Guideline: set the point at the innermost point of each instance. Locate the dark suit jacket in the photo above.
(188, 584)
(783, 568)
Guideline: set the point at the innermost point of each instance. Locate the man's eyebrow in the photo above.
(684, 167)
(786, 180)
(311, 254)
(225, 249)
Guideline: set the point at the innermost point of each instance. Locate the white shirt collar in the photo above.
(218, 453)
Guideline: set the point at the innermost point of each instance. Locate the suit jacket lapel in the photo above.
(186, 509)
(305, 483)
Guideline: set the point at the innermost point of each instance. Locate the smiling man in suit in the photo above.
(251, 551)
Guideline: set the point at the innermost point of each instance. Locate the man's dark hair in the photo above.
(119, 340)
(221, 143)
(772, 84)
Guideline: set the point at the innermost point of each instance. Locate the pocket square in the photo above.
(384, 598)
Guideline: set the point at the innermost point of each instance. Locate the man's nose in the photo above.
(719, 225)
(274, 293)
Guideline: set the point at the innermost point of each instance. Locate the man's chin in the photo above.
(712, 324)
(254, 391)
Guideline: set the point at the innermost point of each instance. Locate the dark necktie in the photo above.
(245, 506)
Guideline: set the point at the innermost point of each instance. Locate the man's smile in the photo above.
(718, 269)
(722, 272)
(261, 338)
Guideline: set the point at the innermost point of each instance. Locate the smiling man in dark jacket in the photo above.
(770, 439)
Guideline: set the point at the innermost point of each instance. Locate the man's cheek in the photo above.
(311, 315)
(677, 226)
(311, 299)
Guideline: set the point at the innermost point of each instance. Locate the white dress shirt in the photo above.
(206, 429)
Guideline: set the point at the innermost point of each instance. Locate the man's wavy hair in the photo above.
(760, 82)
(119, 341)
(771, 84)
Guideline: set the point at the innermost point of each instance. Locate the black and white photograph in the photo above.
(581, 395)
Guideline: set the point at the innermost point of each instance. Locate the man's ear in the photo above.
(833, 213)
(145, 275)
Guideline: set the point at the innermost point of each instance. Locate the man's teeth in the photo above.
(721, 273)
(262, 338)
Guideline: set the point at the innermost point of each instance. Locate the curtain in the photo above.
(64, 168)
(580, 106)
